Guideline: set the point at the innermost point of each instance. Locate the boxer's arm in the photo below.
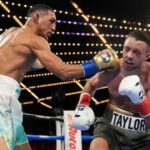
(93, 83)
(67, 71)
(84, 116)
(100, 79)
(53, 63)
(97, 81)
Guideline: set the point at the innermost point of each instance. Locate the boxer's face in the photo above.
(46, 24)
(134, 53)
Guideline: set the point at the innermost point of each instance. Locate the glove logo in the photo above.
(80, 109)
(141, 92)
(105, 57)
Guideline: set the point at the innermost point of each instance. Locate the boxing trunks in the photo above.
(122, 130)
(10, 113)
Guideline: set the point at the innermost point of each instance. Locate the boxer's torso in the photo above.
(16, 56)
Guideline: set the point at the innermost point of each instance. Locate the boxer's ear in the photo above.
(147, 56)
(36, 17)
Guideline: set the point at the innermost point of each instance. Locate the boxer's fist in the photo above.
(83, 117)
(131, 86)
(106, 59)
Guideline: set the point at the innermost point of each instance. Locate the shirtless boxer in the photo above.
(123, 125)
(19, 49)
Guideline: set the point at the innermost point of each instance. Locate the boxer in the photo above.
(125, 122)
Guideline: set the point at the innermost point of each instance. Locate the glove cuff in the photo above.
(89, 68)
(144, 107)
(85, 99)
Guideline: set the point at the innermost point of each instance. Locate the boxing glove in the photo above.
(131, 86)
(84, 116)
(106, 59)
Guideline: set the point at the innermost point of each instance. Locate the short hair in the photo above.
(141, 36)
(38, 7)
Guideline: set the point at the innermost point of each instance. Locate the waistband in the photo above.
(123, 119)
(125, 112)
(9, 85)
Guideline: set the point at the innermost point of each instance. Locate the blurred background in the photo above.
(74, 42)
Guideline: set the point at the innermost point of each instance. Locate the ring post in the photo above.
(72, 135)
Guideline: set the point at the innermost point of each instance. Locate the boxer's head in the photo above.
(43, 17)
(136, 49)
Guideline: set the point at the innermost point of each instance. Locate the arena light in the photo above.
(4, 7)
(49, 85)
(8, 11)
(88, 24)
(17, 20)
(46, 105)
(27, 103)
(93, 27)
(77, 14)
(89, 34)
(38, 75)
(68, 94)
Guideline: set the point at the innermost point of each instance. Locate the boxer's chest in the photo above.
(122, 102)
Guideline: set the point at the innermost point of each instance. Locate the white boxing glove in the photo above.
(131, 86)
(84, 116)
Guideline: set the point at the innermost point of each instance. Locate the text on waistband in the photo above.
(128, 122)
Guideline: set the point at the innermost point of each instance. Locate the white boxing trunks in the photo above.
(11, 113)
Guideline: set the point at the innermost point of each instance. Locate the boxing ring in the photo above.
(66, 136)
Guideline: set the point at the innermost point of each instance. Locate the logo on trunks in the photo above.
(128, 122)
(105, 57)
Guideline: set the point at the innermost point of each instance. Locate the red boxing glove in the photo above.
(144, 107)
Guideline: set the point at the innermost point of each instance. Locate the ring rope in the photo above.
(43, 117)
(45, 137)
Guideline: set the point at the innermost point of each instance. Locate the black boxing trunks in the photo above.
(122, 130)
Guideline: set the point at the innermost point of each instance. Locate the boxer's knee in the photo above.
(99, 144)
(25, 146)
(3, 145)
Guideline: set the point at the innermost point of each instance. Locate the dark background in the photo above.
(133, 11)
